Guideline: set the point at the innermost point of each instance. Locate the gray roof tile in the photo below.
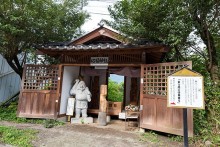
(100, 46)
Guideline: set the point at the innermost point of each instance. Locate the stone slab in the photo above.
(87, 120)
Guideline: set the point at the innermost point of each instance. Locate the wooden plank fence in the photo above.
(9, 81)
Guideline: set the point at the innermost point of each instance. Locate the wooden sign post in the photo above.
(185, 89)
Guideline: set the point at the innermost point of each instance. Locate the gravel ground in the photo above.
(91, 135)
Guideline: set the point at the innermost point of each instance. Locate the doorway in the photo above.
(115, 88)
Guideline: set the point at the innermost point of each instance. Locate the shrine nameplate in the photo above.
(99, 61)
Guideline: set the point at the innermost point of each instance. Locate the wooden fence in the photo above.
(9, 81)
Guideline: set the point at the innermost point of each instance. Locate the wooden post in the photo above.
(102, 105)
(185, 128)
(68, 118)
(103, 101)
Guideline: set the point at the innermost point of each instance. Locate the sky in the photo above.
(98, 10)
(117, 78)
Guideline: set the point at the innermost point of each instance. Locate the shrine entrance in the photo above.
(45, 88)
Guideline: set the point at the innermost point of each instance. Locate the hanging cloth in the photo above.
(126, 71)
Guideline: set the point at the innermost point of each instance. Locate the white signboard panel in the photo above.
(185, 92)
(99, 61)
(70, 106)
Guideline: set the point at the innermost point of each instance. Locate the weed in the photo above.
(17, 137)
(9, 114)
(175, 138)
(82, 121)
(149, 137)
(50, 123)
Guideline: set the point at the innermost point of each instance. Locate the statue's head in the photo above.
(81, 85)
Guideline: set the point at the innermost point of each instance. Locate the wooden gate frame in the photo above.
(40, 91)
(155, 114)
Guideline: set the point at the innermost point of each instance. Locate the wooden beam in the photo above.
(110, 65)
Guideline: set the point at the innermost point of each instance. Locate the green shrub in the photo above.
(207, 122)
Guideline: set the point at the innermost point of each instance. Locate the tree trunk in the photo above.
(212, 53)
(214, 72)
(15, 68)
(208, 40)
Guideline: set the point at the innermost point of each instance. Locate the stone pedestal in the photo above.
(87, 120)
(102, 119)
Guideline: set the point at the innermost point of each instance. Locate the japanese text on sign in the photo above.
(185, 92)
(99, 61)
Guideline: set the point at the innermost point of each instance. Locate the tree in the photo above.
(25, 24)
(173, 22)
(115, 91)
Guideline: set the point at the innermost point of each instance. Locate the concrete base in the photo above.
(87, 120)
(102, 119)
(108, 119)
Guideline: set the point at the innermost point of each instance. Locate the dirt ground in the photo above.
(91, 135)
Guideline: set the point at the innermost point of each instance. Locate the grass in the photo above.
(20, 137)
(213, 138)
(17, 137)
(9, 114)
(149, 137)
(175, 138)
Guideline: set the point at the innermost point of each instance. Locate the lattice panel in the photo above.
(135, 57)
(40, 77)
(155, 76)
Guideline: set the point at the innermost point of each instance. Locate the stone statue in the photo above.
(83, 96)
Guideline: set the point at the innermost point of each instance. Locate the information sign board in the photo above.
(185, 91)
(70, 106)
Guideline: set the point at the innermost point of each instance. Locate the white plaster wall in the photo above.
(128, 88)
(70, 73)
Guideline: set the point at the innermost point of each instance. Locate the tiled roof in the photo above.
(100, 46)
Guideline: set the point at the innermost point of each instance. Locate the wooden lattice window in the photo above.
(155, 77)
(134, 57)
(40, 77)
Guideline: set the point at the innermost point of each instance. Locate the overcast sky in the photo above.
(98, 10)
